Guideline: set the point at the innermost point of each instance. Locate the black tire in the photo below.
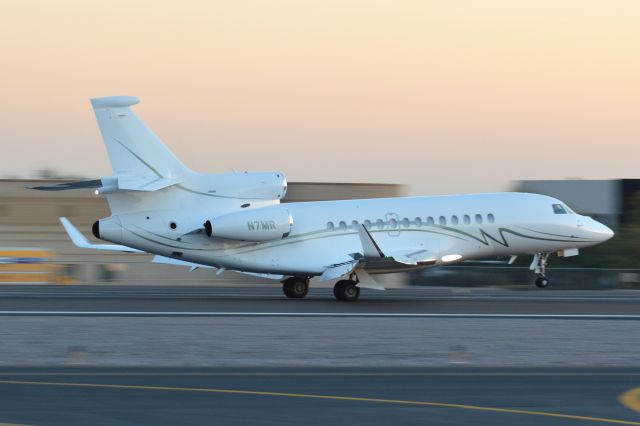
(299, 288)
(337, 289)
(346, 290)
(286, 288)
(295, 288)
(542, 282)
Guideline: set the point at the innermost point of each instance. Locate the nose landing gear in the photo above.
(542, 282)
(538, 266)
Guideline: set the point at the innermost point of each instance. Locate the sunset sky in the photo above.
(446, 96)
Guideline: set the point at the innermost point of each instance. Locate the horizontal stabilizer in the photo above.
(145, 183)
(95, 183)
(81, 241)
(115, 101)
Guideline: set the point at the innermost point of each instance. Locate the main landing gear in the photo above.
(538, 266)
(295, 287)
(347, 290)
(298, 287)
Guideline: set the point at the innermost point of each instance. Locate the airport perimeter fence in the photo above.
(561, 278)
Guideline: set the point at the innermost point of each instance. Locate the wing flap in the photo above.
(338, 271)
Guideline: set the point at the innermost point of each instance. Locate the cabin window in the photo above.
(380, 223)
(466, 219)
(454, 220)
(418, 221)
(354, 224)
(559, 209)
(430, 221)
(442, 220)
(393, 223)
(490, 218)
(479, 219)
(330, 226)
(343, 225)
(367, 224)
(405, 222)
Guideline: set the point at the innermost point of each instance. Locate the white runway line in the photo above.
(314, 314)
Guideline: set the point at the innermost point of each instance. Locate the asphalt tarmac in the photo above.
(313, 396)
(181, 300)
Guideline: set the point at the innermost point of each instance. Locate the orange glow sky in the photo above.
(448, 96)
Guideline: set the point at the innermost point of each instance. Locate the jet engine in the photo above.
(257, 225)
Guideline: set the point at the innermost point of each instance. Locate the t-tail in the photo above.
(147, 175)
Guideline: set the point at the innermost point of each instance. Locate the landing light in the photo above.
(451, 257)
(96, 192)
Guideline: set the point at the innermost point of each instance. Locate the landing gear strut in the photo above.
(538, 266)
(347, 290)
(295, 287)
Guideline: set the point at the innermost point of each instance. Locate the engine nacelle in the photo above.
(263, 224)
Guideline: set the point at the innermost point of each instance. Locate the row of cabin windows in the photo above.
(405, 223)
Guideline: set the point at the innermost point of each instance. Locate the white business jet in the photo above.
(235, 221)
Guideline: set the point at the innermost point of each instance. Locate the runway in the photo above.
(202, 301)
(259, 327)
(316, 396)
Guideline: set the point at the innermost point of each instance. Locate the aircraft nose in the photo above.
(600, 231)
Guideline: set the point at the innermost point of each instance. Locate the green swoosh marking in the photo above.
(485, 236)
(184, 188)
(149, 166)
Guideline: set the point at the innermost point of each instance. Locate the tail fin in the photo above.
(132, 147)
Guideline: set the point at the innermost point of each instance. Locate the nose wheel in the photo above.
(539, 266)
(542, 282)
(295, 287)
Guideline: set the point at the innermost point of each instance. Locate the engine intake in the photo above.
(257, 225)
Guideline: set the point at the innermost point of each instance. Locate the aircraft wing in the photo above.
(170, 261)
(81, 241)
(373, 258)
(193, 266)
(411, 256)
(337, 271)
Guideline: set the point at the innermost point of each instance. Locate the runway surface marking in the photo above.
(631, 399)
(325, 397)
(317, 314)
(311, 374)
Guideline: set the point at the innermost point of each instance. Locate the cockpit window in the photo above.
(559, 209)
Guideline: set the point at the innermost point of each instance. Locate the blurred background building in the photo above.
(604, 200)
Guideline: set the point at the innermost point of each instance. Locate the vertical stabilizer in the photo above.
(132, 147)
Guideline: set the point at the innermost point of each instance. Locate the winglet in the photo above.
(81, 241)
(76, 236)
(369, 247)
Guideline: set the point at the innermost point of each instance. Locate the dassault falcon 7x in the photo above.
(235, 221)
